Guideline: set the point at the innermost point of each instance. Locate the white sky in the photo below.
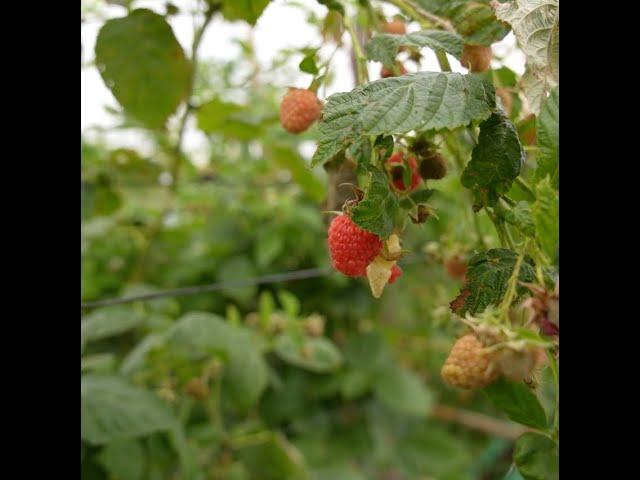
(281, 26)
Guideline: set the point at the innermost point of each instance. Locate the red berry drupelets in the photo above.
(396, 272)
(397, 173)
(352, 249)
(299, 109)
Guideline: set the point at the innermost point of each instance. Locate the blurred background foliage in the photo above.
(305, 379)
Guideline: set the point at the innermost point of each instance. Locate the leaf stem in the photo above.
(498, 226)
(524, 186)
(362, 73)
(443, 61)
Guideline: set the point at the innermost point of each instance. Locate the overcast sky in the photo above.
(281, 26)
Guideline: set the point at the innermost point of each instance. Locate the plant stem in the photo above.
(513, 281)
(476, 225)
(362, 73)
(554, 370)
(426, 19)
(443, 61)
(524, 186)
(498, 226)
(508, 236)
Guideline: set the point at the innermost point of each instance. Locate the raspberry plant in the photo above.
(440, 187)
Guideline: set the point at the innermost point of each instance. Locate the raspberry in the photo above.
(395, 27)
(352, 249)
(299, 109)
(468, 366)
(396, 272)
(476, 58)
(397, 173)
(386, 73)
(456, 267)
(516, 365)
(433, 166)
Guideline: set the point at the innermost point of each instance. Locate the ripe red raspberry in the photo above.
(477, 58)
(396, 272)
(397, 173)
(386, 73)
(396, 27)
(352, 249)
(468, 365)
(299, 109)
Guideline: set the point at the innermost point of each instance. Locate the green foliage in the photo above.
(535, 24)
(377, 211)
(425, 101)
(383, 48)
(518, 402)
(247, 10)
(548, 139)
(143, 65)
(113, 409)
(487, 276)
(536, 457)
(309, 378)
(495, 162)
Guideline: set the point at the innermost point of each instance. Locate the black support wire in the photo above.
(214, 287)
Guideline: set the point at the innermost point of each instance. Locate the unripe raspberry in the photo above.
(433, 166)
(456, 267)
(516, 365)
(352, 249)
(396, 27)
(299, 109)
(386, 73)
(477, 58)
(469, 365)
(314, 325)
(397, 173)
(396, 272)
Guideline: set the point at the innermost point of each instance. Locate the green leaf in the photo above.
(273, 459)
(248, 10)
(143, 65)
(536, 457)
(474, 20)
(545, 212)
(513, 473)
(113, 409)
(289, 302)
(383, 48)
(518, 402)
(422, 196)
(99, 362)
(420, 101)
(124, 459)
(377, 211)
(245, 371)
(108, 322)
(136, 357)
(548, 138)
(332, 5)
(308, 65)
(488, 273)
(402, 391)
(520, 217)
(367, 351)
(495, 161)
(227, 119)
(315, 354)
(535, 24)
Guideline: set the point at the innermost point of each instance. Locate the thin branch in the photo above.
(479, 422)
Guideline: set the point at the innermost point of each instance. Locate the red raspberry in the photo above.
(299, 109)
(395, 27)
(397, 173)
(396, 272)
(352, 249)
(386, 73)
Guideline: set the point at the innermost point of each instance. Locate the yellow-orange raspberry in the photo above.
(469, 365)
